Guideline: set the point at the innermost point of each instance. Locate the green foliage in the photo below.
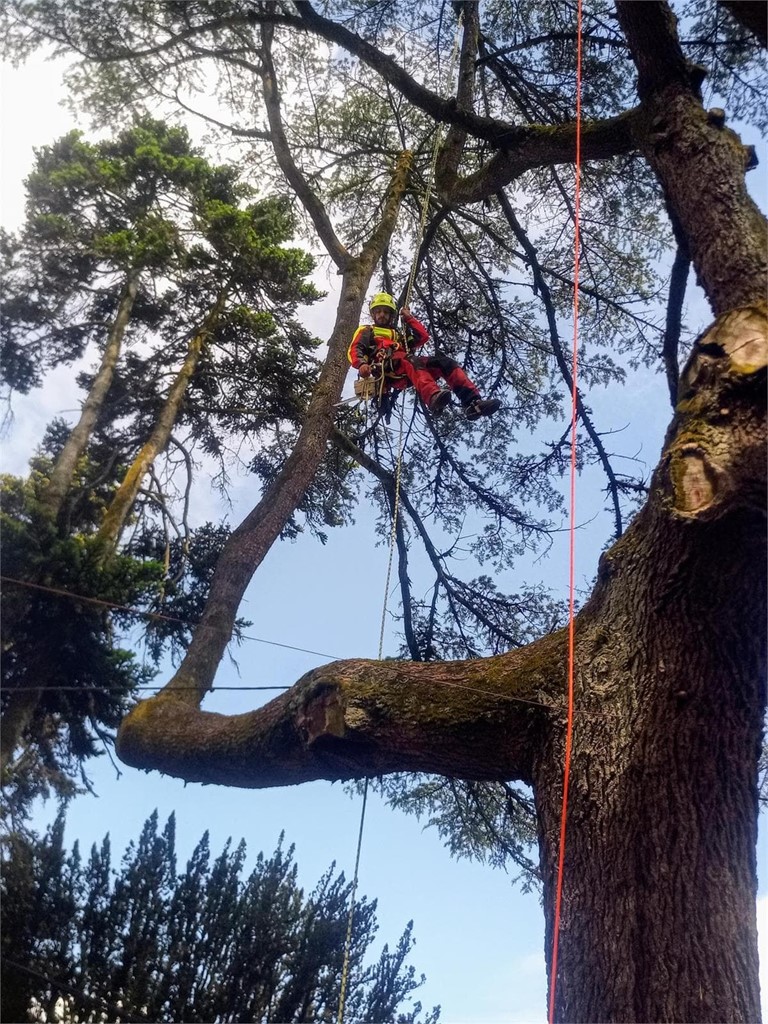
(494, 285)
(491, 822)
(189, 563)
(63, 651)
(204, 944)
(142, 203)
(96, 212)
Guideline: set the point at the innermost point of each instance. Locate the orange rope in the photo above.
(572, 553)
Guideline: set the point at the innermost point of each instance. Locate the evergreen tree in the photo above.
(135, 237)
(343, 101)
(208, 943)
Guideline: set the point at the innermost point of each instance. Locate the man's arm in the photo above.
(415, 331)
(362, 348)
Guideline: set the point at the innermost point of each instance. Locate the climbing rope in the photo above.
(572, 531)
(432, 166)
(393, 530)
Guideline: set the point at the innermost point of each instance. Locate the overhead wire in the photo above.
(58, 592)
(146, 613)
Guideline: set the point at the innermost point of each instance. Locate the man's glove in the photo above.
(364, 370)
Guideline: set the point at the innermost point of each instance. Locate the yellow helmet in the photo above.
(382, 299)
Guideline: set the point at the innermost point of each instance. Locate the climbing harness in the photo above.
(572, 552)
(379, 383)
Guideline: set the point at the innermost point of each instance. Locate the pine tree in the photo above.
(205, 944)
(137, 237)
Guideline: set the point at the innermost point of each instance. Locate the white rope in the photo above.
(392, 537)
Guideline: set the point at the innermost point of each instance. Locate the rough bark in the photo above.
(66, 464)
(125, 496)
(699, 163)
(660, 861)
(659, 915)
(670, 662)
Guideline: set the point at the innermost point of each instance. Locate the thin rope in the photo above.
(393, 531)
(351, 914)
(432, 166)
(572, 551)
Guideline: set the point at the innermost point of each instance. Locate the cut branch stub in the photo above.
(694, 479)
(717, 451)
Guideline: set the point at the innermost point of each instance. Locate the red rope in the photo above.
(572, 553)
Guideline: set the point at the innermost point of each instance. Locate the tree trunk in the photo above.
(124, 498)
(19, 710)
(20, 705)
(659, 911)
(66, 464)
(658, 920)
(250, 542)
(699, 163)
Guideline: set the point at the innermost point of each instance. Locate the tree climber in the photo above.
(381, 348)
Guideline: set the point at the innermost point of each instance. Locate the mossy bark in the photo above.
(659, 914)
(127, 492)
(66, 463)
(670, 656)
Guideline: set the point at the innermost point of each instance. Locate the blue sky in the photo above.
(479, 940)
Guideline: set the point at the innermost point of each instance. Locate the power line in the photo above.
(58, 592)
(246, 689)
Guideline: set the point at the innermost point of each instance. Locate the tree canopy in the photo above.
(170, 269)
(342, 105)
(211, 942)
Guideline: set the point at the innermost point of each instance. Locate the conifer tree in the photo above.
(336, 101)
(140, 237)
(214, 941)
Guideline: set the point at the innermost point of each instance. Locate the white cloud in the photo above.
(32, 116)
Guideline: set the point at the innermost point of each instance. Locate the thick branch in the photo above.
(699, 163)
(352, 719)
(541, 146)
(125, 496)
(483, 719)
(66, 463)
(453, 147)
(288, 166)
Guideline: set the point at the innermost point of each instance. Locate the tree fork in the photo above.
(670, 671)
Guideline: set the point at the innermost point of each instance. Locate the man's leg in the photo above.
(460, 384)
(424, 382)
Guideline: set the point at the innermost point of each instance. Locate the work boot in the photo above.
(481, 407)
(439, 401)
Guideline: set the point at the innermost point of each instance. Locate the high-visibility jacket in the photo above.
(370, 342)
